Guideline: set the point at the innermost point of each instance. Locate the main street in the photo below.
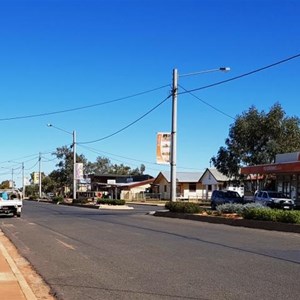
(109, 254)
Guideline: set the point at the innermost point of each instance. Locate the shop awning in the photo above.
(290, 167)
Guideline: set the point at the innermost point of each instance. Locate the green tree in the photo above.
(4, 184)
(49, 185)
(31, 190)
(63, 176)
(256, 137)
(102, 165)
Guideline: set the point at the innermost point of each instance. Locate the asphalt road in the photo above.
(94, 254)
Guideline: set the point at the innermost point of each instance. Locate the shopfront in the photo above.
(286, 170)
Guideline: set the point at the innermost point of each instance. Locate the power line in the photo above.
(127, 126)
(5, 161)
(99, 152)
(48, 160)
(27, 169)
(82, 107)
(243, 75)
(206, 103)
(128, 158)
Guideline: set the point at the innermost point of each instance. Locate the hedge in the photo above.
(183, 207)
(110, 201)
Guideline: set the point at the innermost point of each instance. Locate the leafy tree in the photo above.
(256, 137)
(63, 176)
(101, 166)
(49, 185)
(31, 190)
(142, 169)
(104, 166)
(4, 184)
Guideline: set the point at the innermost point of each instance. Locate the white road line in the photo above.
(66, 245)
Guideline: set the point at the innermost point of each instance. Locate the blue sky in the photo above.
(60, 55)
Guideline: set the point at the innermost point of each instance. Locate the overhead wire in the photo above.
(128, 158)
(83, 107)
(27, 169)
(242, 75)
(127, 126)
(206, 103)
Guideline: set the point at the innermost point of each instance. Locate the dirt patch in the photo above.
(40, 289)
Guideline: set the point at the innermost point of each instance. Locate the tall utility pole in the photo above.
(12, 178)
(174, 124)
(74, 157)
(23, 181)
(40, 177)
(173, 136)
(74, 166)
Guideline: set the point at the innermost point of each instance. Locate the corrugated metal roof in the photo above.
(218, 175)
(183, 176)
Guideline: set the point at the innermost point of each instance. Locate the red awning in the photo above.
(291, 167)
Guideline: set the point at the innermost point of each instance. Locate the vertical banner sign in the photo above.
(163, 147)
(36, 178)
(79, 171)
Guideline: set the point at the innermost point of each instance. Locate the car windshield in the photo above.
(230, 194)
(276, 195)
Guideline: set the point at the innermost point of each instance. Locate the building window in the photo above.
(209, 187)
(165, 188)
(192, 187)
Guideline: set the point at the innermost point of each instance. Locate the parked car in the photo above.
(274, 199)
(222, 197)
(10, 202)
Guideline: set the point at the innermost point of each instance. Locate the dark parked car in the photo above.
(274, 199)
(222, 197)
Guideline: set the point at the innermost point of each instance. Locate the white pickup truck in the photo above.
(10, 202)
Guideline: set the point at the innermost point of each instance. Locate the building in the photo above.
(212, 180)
(117, 186)
(193, 185)
(285, 171)
(188, 185)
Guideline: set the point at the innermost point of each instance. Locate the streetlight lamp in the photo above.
(174, 123)
(74, 156)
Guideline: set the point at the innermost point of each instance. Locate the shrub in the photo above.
(276, 215)
(110, 201)
(57, 199)
(81, 201)
(230, 208)
(287, 216)
(183, 207)
(236, 208)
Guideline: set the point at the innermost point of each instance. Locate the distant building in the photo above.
(116, 186)
(188, 185)
(191, 185)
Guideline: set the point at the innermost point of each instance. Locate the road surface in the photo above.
(94, 254)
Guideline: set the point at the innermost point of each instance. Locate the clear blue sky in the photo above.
(57, 55)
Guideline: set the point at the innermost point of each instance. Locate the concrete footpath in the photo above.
(13, 285)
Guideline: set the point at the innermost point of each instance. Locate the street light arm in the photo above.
(51, 125)
(222, 69)
(174, 125)
(74, 157)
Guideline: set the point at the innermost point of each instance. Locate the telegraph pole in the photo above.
(40, 176)
(74, 166)
(23, 181)
(173, 136)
